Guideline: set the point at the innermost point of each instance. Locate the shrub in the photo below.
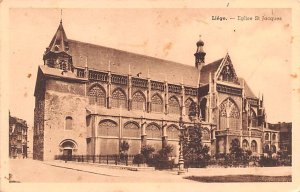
(147, 151)
(139, 159)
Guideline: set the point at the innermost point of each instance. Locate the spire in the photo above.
(200, 54)
(59, 42)
(57, 53)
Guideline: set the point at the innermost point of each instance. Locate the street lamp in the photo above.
(181, 159)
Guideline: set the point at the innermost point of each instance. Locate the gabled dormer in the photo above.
(226, 71)
(57, 53)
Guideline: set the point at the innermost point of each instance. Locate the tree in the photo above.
(124, 147)
(147, 151)
(193, 148)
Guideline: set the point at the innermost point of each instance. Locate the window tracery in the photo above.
(97, 96)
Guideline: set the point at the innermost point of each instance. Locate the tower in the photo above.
(57, 53)
(200, 54)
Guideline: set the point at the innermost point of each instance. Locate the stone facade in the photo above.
(90, 98)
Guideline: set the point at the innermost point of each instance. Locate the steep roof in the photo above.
(59, 42)
(209, 68)
(247, 89)
(122, 62)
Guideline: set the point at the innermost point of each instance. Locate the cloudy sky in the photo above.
(260, 50)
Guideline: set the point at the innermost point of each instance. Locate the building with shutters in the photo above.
(89, 98)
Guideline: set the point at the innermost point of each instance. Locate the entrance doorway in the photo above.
(68, 147)
(67, 153)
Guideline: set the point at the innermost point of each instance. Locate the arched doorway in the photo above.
(67, 147)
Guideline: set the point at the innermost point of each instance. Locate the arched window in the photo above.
(203, 108)
(267, 136)
(253, 146)
(156, 103)
(245, 144)
(229, 115)
(174, 106)
(119, 99)
(274, 136)
(138, 101)
(69, 123)
(97, 96)
(205, 134)
(172, 132)
(131, 129)
(187, 105)
(253, 118)
(153, 131)
(108, 128)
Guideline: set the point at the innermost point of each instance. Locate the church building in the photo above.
(89, 98)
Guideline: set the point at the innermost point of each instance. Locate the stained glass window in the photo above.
(229, 112)
(97, 96)
(119, 99)
(153, 131)
(138, 101)
(131, 129)
(108, 128)
(173, 132)
(174, 106)
(156, 103)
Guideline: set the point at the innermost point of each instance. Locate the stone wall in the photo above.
(61, 101)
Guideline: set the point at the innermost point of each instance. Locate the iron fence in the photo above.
(101, 159)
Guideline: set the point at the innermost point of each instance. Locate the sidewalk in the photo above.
(94, 167)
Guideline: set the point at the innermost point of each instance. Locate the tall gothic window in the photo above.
(131, 129)
(119, 99)
(203, 109)
(97, 96)
(229, 115)
(174, 106)
(187, 105)
(138, 101)
(172, 132)
(253, 118)
(69, 123)
(108, 128)
(153, 131)
(156, 103)
(253, 146)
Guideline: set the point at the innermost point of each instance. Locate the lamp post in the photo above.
(181, 159)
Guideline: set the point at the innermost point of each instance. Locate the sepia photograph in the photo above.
(171, 96)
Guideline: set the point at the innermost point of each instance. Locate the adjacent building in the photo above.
(285, 135)
(17, 137)
(89, 98)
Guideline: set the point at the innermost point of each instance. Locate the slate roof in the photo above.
(209, 68)
(248, 92)
(121, 62)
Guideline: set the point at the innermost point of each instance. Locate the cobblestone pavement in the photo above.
(28, 170)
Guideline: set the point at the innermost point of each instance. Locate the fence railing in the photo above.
(102, 159)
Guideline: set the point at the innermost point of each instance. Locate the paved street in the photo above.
(28, 170)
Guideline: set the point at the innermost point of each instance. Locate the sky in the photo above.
(260, 50)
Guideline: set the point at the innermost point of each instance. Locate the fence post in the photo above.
(82, 158)
(116, 161)
(107, 159)
(94, 158)
(99, 159)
